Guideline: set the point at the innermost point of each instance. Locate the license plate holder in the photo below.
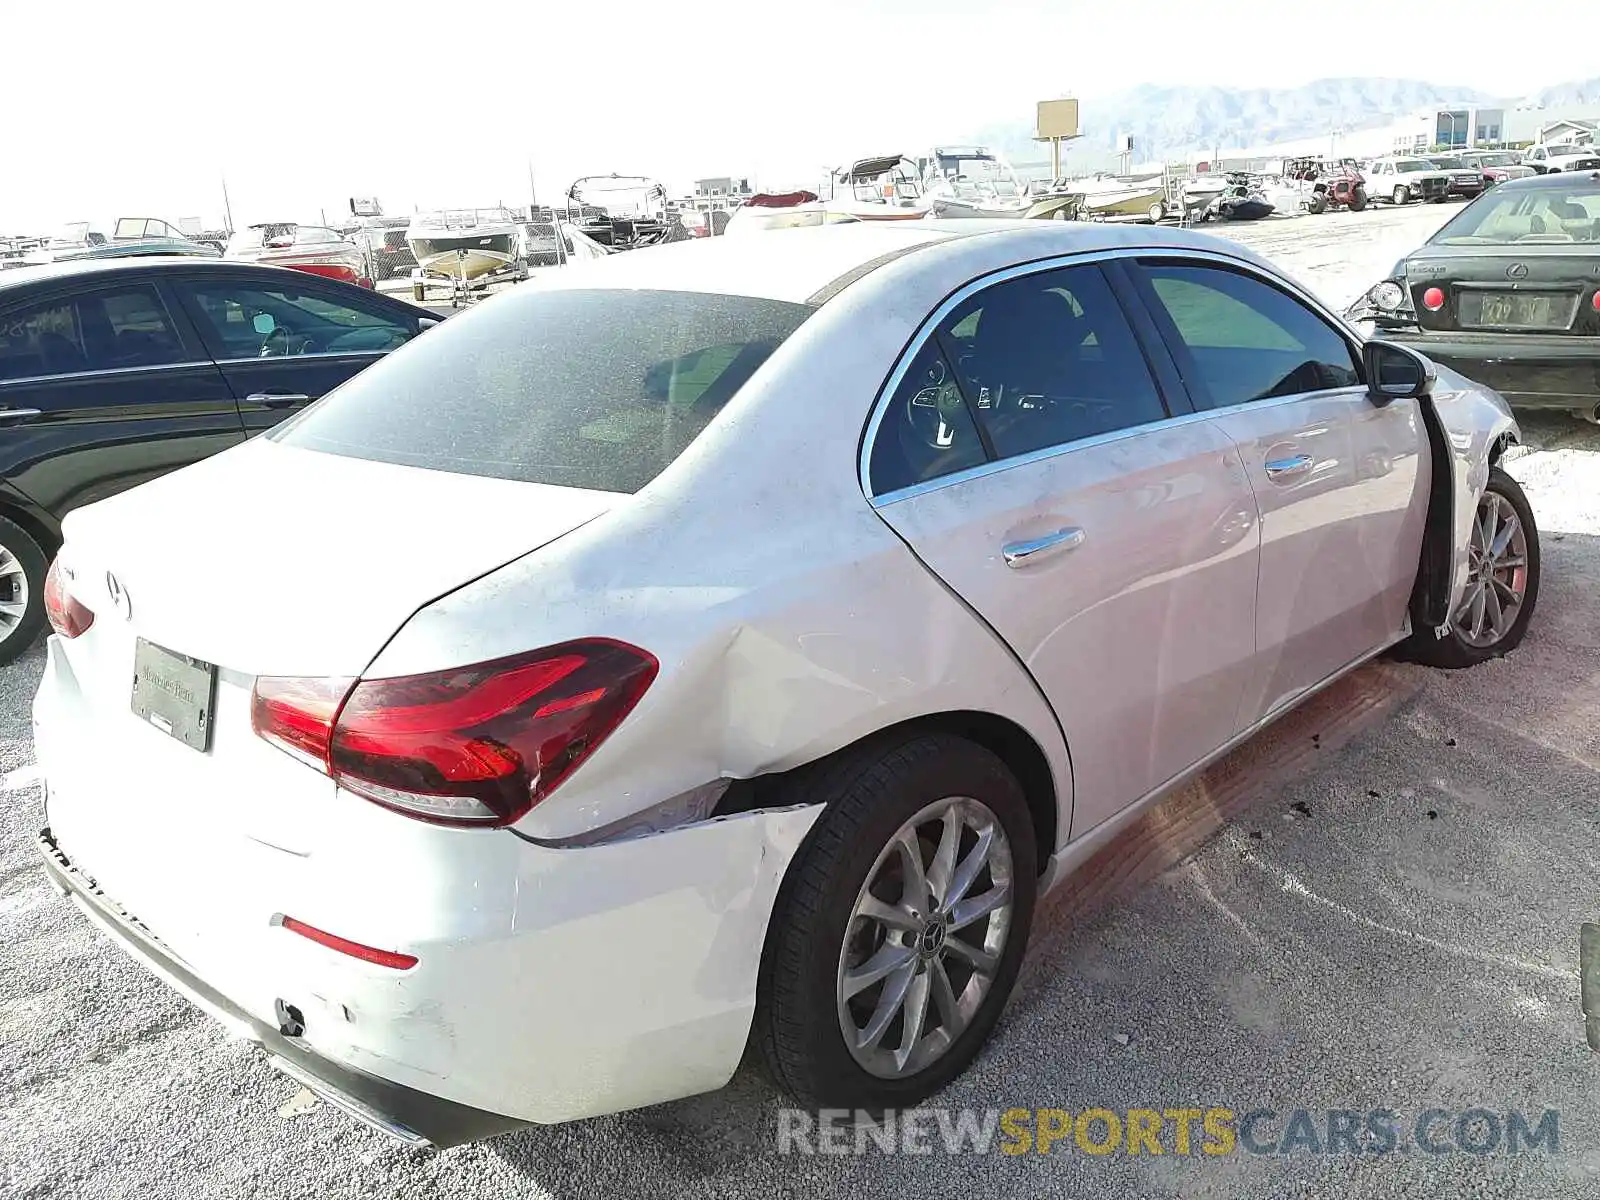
(175, 693)
(1515, 310)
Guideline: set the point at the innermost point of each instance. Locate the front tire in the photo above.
(1402, 195)
(1358, 199)
(901, 926)
(22, 571)
(1492, 617)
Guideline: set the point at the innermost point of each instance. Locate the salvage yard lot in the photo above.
(1373, 905)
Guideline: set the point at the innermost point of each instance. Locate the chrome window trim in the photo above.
(1001, 465)
(932, 322)
(272, 358)
(105, 371)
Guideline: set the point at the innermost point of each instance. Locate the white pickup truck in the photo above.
(1562, 156)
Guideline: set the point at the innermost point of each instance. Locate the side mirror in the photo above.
(263, 323)
(1395, 372)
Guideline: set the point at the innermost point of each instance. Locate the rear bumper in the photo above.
(551, 984)
(1530, 372)
(408, 1115)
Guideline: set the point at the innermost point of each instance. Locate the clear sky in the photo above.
(122, 109)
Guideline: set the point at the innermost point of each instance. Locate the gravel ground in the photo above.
(1374, 905)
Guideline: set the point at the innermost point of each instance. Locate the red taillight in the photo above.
(382, 958)
(1595, 301)
(477, 745)
(67, 616)
(297, 715)
(1433, 299)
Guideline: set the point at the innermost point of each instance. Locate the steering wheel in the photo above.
(287, 342)
(926, 411)
(278, 343)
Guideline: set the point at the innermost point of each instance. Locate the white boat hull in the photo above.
(468, 255)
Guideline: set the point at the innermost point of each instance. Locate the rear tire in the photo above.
(1498, 576)
(1318, 203)
(821, 942)
(22, 571)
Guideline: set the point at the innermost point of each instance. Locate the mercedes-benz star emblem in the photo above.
(1517, 271)
(119, 598)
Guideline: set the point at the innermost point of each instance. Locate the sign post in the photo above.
(1057, 122)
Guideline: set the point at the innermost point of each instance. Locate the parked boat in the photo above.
(313, 249)
(1242, 200)
(464, 244)
(1115, 197)
(623, 212)
(884, 187)
(971, 181)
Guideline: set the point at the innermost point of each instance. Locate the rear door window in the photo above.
(590, 388)
(1049, 359)
(108, 330)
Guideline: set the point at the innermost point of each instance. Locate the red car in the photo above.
(1497, 166)
(314, 249)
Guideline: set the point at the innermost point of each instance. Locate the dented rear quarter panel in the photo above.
(788, 619)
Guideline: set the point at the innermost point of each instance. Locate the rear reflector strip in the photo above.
(381, 958)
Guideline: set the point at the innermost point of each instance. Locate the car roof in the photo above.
(95, 267)
(813, 264)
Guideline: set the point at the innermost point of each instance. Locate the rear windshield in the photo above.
(1544, 214)
(597, 389)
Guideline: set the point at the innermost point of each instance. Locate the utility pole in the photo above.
(227, 208)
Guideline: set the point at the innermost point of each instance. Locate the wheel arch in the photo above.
(33, 521)
(1001, 736)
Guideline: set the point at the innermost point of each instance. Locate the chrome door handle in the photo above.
(1288, 468)
(1020, 554)
(17, 414)
(276, 399)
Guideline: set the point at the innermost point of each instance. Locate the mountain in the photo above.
(1171, 121)
(1582, 91)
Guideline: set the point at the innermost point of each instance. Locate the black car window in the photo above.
(41, 340)
(927, 430)
(110, 330)
(247, 320)
(1239, 339)
(1049, 359)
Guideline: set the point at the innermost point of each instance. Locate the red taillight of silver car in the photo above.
(470, 746)
(67, 616)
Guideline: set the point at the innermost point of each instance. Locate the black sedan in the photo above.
(114, 372)
(1507, 293)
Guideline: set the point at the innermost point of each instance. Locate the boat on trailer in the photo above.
(465, 250)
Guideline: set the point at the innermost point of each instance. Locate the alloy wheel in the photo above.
(13, 592)
(925, 938)
(1497, 579)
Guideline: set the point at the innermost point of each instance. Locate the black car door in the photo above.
(103, 386)
(283, 339)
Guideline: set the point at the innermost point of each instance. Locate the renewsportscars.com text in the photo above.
(1185, 1131)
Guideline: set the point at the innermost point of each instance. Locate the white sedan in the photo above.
(736, 636)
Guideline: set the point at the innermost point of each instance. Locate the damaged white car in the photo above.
(732, 640)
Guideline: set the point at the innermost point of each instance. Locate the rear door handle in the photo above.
(276, 399)
(1288, 468)
(1020, 554)
(8, 415)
